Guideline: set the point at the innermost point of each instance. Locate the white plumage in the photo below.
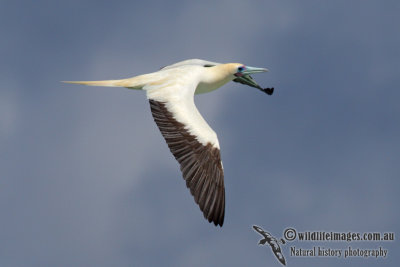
(191, 140)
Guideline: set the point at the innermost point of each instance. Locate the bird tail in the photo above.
(137, 82)
(109, 83)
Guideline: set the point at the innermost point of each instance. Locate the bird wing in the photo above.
(194, 145)
(276, 249)
(259, 230)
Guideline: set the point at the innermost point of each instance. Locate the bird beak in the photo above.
(251, 70)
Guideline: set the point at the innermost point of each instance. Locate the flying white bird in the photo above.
(191, 140)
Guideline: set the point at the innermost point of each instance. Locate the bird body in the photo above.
(191, 140)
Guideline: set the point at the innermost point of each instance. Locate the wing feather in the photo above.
(200, 164)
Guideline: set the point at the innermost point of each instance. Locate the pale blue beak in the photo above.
(250, 70)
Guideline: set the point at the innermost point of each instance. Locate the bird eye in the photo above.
(241, 68)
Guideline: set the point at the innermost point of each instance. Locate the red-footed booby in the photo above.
(191, 140)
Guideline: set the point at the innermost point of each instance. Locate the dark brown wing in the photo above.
(200, 165)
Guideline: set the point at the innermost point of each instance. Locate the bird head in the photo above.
(217, 75)
(241, 70)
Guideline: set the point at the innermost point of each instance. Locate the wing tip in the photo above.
(218, 223)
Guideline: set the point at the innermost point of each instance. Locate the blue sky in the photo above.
(87, 179)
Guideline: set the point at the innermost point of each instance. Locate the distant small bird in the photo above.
(191, 140)
(273, 242)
